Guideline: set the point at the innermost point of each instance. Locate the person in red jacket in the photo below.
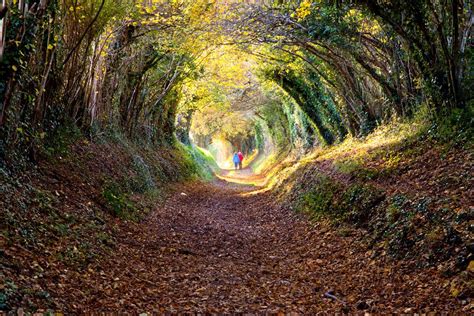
(241, 157)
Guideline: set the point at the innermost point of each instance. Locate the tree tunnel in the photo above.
(268, 76)
(235, 106)
(120, 119)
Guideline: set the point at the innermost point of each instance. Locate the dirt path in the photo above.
(212, 249)
(244, 176)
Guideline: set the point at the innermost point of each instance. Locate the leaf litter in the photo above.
(215, 250)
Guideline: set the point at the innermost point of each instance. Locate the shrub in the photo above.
(358, 202)
(318, 201)
(119, 202)
(143, 181)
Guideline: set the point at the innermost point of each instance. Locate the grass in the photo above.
(383, 137)
(350, 156)
(201, 160)
(347, 157)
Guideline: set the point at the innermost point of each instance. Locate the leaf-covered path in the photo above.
(214, 248)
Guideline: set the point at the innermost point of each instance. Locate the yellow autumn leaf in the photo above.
(14, 68)
(304, 9)
(471, 266)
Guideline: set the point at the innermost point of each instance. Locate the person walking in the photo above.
(241, 158)
(236, 160)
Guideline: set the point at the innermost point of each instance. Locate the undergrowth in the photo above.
(329, 199)
(119, 202)
(64, 206)
(198, 162)
(58, 143)
(355, 183)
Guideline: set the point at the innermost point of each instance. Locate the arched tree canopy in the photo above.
(296, 73)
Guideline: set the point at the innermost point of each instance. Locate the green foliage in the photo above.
(133, 66)
(308, 93)
(395, 208)
(355, 167)
(259, 136)
(328, 199)
(119, 202)
(348, 166)
(139, 54)
(454, 127)
(278, 125)
(198, 163)
(143, 181)
(58, 142)
(318, 201)
(359, 201)
(9, 290)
